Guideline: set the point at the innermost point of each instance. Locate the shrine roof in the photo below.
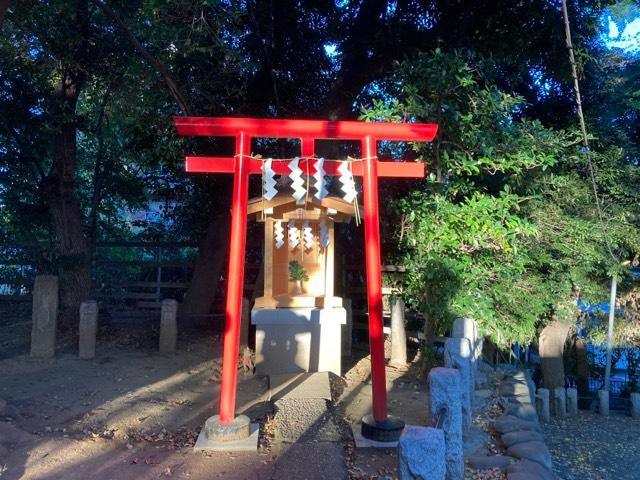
(282, 204)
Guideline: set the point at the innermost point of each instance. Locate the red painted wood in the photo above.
(235, 279)
(225, 165)
(295, 128)
(374, 278)
(242, 166)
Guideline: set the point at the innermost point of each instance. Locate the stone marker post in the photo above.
(44, 315)
(635, 405)
(398, 334)
(245, 321)
(457, 354)
(466, 328)
(542, 404)
(421, 454)
(88, 329)
(559, 402)
(603, 402)
(444, 392)
(168, 326)
(572, 401)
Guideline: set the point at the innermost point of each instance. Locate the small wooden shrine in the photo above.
(301, 232)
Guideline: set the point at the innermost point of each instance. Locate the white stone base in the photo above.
(294, 340)
(249, 444)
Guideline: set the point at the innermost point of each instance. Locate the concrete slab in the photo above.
(299, 386)
(249, 444)
(362, 442)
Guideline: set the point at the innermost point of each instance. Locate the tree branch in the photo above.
(172, 85)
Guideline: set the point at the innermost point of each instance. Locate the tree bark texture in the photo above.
(551, 348)
(73, 248)
(208, 269)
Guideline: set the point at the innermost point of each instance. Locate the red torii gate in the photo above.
(380, 426)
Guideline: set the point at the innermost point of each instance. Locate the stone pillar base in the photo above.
(386, 431)
(294, 340)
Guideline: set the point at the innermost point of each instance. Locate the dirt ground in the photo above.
(132, 413)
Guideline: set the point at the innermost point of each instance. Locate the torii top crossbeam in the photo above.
(242, 164)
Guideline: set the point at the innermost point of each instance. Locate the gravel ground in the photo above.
(590, 446)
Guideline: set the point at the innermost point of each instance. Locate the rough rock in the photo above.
(513, 438)
(483, 462)
(507, 389)
(421, 454)
(3, 406)
(529, 468)
(509, 423)
(523, 411)
(444, 391)
(457, 354)
(534, 451)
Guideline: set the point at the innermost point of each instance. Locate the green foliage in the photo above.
(297, 272)
(505, 229)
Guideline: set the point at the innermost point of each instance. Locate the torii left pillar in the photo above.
(377, 426)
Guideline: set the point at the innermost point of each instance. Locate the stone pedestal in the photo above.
(293, 340)
(44, 316)
(168, 326)
(88, 329)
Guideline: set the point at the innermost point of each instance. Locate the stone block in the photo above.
(525, 412)
(635, 405)
(294, 340)
(572, 401)
(347, 328)
(445, 392)
(559, 402)
(398, 334)
(44, 316)
(168, 326)
(542, 404)
(509, 423)
(467, 328)
(534, 451)
(457, 354)
(88, 329)
(513, 438)
(421, 454)
(603, 402)
(485, 462)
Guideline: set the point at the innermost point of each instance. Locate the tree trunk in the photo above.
(212, 252)
(551, 348)
(72, 247)
(582, 367)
